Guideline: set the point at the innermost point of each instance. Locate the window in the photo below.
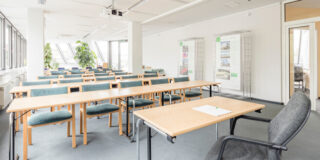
(2, 51)
(7, 47)
(18, 63)
(102, 50)
(14, 48)
(119, 55)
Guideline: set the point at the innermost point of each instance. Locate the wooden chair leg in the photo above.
(25, 137)
(120, 121)
(84, 107)
(74, 143)
(110, 119)
(21, 119)
(17, 122)
(29, 136)
(59, 108)
(129, 126)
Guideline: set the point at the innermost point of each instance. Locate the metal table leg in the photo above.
(149, 143)
(12, 137)
(210, 91)
(127, 117)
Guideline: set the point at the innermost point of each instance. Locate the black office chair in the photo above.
(282, 129)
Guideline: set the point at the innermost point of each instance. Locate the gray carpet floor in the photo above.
(51, 142)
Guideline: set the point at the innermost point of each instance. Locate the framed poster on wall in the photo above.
(228, 61)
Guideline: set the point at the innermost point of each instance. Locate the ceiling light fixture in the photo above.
(42, 2)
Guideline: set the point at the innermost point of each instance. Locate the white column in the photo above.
(35, 43)
(135, 47)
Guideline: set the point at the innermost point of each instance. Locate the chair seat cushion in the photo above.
(101, 108)
(192, 93)
(48, 117)
(139, 102)
(237, 150)
(167, 97)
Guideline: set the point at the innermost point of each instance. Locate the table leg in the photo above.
(139, 122)
(210, 90)
(12, 137)
(84, 109)
(127, 117)
(149, 142)
(162, 98)
(74, 142)
(25, 136)
(217, 131)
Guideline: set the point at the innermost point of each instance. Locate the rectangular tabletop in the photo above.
(181, 118)
(29, 103)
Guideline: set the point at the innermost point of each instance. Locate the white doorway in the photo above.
(301, 61)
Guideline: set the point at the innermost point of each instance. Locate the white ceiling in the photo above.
(73, 19)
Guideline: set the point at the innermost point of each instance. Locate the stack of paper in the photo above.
(212, 110)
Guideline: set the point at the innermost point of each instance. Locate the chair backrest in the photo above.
(76, 72)
(48, 91)
(34, 83)
(159, 81)
(95, 87)
(151, 72)
(75, 68)
(105, 78)
(57, 73)
(101, 74)
(120, 73)
(181, 79)
(130, 84)
(289, 121)
(97, 71)
(130, 77)
(61, 69)
(150, 75)
(71, 80)
(117, 71)
(72, 76)
(88, 67)
(48, 77)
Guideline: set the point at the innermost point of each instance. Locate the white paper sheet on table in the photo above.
(212, 110)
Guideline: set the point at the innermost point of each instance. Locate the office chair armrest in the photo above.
(251, 141)
(234, 121)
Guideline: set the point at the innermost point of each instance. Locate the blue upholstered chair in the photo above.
(101, 109)
(129, 77)
(120, 73)
(34, 83)
(136, 102)
(117, 71)
(49, 77)
(49, 118)
(281, 130)
(76, 72)
(101, 74)
(58, 73)
(61, 69)
(89, 68)
(150, 75)
(72, 76)
(75, 68)
(105, 78)
(70, 80)
(188, 94)
(169, 97)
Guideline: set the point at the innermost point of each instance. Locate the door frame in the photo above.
(313, 62)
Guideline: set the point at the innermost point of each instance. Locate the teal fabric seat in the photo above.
(192, 94)
(95, 87)
(57, 73)
(48, 77)
(117, 71)
(105, 78)
(130, 77)
(139, 102)
(101, 74)
(130, 84)
(71, 80)
(150, 75)
(167, 97)
(48, 117)
(159, 81)
(97, 71)
(33, 83)
(48, 91)
(181, 79)
(120, 73)
(76, 72)
(150, 72)
(101, 108)
(72, 76)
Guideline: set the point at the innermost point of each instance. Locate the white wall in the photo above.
(161, 50)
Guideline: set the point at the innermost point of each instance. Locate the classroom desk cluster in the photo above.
(124, 96)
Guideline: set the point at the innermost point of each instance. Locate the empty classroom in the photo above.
(159, 79)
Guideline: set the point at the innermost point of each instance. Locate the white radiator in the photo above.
(5, 97)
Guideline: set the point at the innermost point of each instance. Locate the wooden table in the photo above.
(178, 119)
(30, 103)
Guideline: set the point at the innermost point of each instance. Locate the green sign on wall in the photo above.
(218, 39)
